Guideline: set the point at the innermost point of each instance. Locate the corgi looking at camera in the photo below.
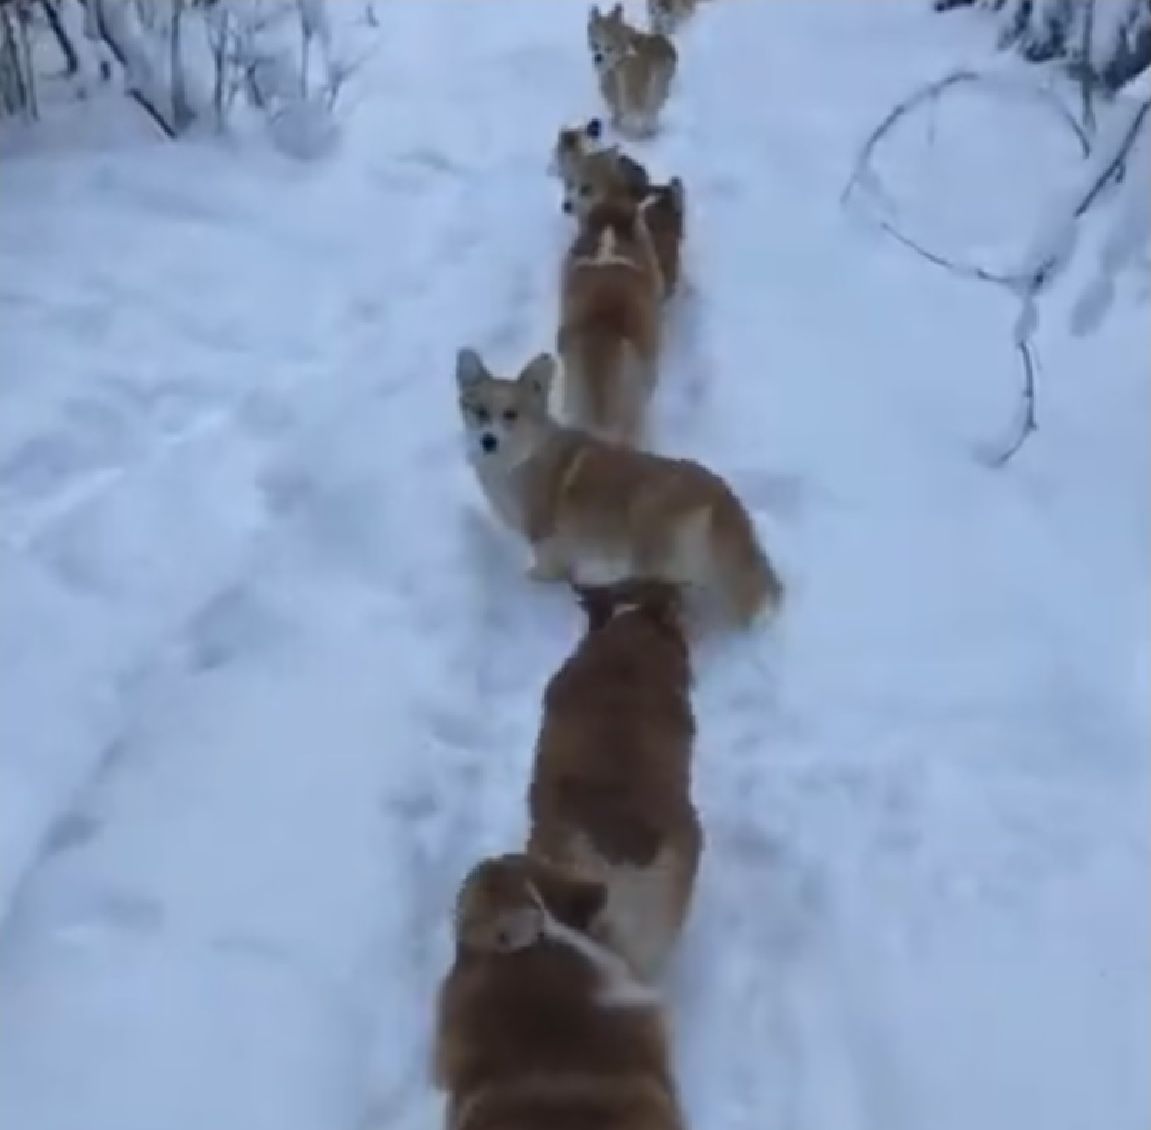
(588, 168)
(592, 510)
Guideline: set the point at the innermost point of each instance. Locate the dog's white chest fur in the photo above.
(503, 492)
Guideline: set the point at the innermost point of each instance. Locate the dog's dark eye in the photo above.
(585, 191)
(510, 415)
(482, 415)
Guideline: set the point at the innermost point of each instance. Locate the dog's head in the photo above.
(502, 418)
(502, 902)
(574, 144)
(608, 37)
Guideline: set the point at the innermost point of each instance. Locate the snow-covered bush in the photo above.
(1113, 184)
(1106, 42)
(186, 63)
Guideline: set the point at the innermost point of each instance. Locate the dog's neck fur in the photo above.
(620, 988)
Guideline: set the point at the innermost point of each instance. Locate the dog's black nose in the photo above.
(567, 206)
(597, 58)
(489, 443)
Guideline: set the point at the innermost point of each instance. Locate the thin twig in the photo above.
(1027, 422)
(67, 49)
(96, 10)
(931, 92)
(1115, 166)
(23, 18)
(1087, 75)
(963, 270)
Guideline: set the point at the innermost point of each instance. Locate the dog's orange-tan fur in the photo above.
(609, 333)
(586, 506)
(523, 1039)
(611, 786)
(592, 171)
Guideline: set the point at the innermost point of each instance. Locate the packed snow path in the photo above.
(271, 677)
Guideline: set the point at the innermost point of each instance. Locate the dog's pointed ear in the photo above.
(538, 374)
(594, 129)
(470, 369)
(617, 12)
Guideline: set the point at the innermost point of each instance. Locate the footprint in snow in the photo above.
(112, 912)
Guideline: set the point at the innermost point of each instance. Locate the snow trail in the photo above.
(276, 674)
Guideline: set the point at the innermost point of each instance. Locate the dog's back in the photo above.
(611, 791)
(609, 324)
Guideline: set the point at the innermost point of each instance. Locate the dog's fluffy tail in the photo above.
(741, 570)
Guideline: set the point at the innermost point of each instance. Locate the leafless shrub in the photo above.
(1125, 142)
(186, 63)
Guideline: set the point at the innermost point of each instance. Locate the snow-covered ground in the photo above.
(270, 675)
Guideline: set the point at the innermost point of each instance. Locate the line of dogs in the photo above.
(550, 1015)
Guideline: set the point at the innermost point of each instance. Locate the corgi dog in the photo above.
(668, 16)
(609, 331)
(589, 169)
(602, 177)
(664, 209)
(610, 794)
(593, 511)
(635, 70)
(525, 1036)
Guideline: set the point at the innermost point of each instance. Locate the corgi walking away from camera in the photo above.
(611, 786)
(609, 332)
(587, 507)
(635, 70)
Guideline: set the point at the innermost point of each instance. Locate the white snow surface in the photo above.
(271, 676)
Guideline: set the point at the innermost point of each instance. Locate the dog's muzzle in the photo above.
(488, 443)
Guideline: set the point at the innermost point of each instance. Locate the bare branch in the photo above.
(931, 93)
(1024, 282)
(1027, 421)
(71, 59)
